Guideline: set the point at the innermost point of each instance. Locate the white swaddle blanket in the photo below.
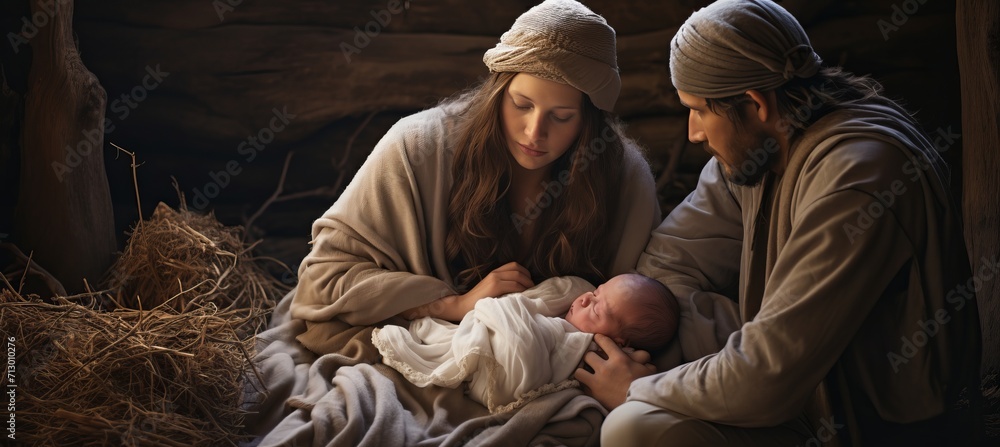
(511, 349)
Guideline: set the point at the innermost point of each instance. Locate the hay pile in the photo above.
(127, 377)
(159, 356)
(187, 260)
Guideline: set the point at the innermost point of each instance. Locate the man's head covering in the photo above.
(732, 46)
(562, 41)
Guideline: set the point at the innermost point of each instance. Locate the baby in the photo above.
(631, 309)
(520, 346)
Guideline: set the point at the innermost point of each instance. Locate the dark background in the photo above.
(227, 68)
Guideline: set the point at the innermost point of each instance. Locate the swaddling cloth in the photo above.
(510, 349)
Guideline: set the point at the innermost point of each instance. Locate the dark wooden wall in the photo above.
(223, 71)
(189, 81)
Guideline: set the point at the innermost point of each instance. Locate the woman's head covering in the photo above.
(732, 46)
(565, 42)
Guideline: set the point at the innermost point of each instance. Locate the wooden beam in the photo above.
(303, 69)
(63, 214)
(978, 25)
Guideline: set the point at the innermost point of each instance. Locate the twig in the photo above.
(24, 275)
(350, 140)
(340, 165)
(54, 285)
(135, 180)
(274, 196)
(322, 191)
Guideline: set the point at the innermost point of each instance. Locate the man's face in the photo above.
(745, 154)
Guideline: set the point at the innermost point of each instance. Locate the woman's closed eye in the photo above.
(529, 106)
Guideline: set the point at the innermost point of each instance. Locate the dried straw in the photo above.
(159, 356)
(187, 260)
(127, 377)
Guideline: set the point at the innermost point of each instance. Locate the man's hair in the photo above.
(657, 315)
(803, 101)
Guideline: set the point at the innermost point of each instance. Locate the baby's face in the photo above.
(603, 310)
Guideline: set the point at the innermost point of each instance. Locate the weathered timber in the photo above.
(63, 215)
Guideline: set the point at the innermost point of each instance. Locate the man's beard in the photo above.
(755, 160)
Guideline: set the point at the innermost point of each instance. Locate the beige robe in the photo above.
(380, 249)
(850, 290)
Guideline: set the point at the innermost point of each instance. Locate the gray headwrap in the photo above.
(732, 46)
(562, 41)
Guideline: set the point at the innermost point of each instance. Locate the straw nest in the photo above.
(156, 377)
(187, 260)
(160, 356)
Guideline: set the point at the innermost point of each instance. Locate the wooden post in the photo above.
(63, 214)
(979, 68)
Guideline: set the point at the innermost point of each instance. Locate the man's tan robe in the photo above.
(852, 302)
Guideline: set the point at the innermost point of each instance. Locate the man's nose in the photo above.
(695, 133)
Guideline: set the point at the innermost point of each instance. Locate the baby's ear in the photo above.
(620, 341)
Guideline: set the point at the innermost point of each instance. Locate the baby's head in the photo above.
(632, 309)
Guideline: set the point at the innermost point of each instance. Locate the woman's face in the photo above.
(541, 119)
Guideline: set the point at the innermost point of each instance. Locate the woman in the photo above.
(525, 177)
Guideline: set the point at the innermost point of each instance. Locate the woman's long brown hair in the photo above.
(571, 235)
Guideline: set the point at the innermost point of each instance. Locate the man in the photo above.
(825, 215)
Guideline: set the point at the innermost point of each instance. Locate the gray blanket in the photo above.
(348, 398)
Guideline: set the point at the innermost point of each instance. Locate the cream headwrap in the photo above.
(562, 41)
(732, 46)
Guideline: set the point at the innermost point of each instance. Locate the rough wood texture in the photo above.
(241, 72)
(229, 67)
(63, 212)
(979, 65)
(439, 16)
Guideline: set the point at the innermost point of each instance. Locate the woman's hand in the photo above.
(508, 278)
(612, 377)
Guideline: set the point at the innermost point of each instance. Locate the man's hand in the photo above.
(612, 376)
